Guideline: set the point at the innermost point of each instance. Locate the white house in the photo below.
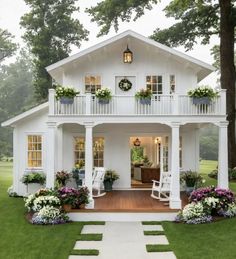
(55, 136)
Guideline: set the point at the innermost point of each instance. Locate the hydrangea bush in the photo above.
(207, 202)
(43, 201)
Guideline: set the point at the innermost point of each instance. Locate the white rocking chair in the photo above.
(98, 177)
(162, 187)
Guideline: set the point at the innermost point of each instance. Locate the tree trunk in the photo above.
(227, 68)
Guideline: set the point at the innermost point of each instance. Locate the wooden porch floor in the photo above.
(131, 201)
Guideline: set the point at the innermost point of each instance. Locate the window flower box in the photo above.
(104, 95)
(144, 96)
(202, 95)
(65, 94)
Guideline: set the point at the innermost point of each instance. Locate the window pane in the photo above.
(34, 151)
(92, 83)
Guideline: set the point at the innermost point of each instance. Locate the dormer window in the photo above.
(92, 84)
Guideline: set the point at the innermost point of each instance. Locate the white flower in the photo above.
(193, 210)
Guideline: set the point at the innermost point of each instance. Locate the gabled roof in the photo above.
(140, 37)
(33, 111)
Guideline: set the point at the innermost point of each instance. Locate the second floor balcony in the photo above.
(121, 105)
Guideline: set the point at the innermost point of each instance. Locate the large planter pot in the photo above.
(33, 188)
(146, 101)
(201, 100)
(189, 189)
(103, 101)
(66, 100)
(108, 186)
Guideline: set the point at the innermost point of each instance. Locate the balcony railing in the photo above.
(172, 104)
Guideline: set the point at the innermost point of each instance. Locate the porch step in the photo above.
(122, 216)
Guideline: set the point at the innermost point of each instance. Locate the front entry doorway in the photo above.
(149, 156)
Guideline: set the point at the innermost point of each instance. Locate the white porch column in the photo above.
(175, 201)
(89, 161)
(51, 141)
(223, 181)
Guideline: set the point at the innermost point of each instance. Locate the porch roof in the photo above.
(204, 69)
(33, 111)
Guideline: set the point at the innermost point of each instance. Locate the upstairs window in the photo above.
(155, 84)
(172, 84)
(34, 151)
(92, 84)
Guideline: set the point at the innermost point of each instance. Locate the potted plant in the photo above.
(144, 96)
(191, 179)
(78, 173)
(62, 177)
(33, 181)
(202, 95)
(66, 94)
(103, 95)
(68, 197)
(109, 178)
(72, 198)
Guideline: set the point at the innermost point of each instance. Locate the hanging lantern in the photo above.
(137, 142)
(128, 56)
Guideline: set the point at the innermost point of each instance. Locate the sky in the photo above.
(12, 10)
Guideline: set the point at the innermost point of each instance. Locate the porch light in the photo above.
(137, 142)
(128, 56)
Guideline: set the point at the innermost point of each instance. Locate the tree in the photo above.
(50, 32)
(16, 95)
(196, 20)
(7, 47)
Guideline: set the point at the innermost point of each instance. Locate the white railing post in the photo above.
(51, 101)
(223, 101)
(175, 110)
(88, 103)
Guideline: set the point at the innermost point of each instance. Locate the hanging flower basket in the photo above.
(201, 100)
(125, 85)
(103, 95)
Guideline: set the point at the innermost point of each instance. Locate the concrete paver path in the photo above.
(123, 240)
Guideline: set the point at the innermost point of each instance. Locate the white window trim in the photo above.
(30, 169)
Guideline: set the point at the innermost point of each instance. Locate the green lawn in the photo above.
(206, 166)
(21, 240)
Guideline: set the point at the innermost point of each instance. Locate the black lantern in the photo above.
(128, 56)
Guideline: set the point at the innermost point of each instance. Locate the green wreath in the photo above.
(125, 84)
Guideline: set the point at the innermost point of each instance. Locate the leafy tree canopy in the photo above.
(16, 95)
(7, 47)
(50, 32)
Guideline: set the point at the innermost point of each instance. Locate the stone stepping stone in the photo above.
(84, 257)
(162, 255)
(153, 227)
(156, 240)
(93, 229)
(88, 245)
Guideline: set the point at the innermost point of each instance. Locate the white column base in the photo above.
(90, 205)
(175, 204)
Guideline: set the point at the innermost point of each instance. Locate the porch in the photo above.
(131, 201)
(127, 205)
